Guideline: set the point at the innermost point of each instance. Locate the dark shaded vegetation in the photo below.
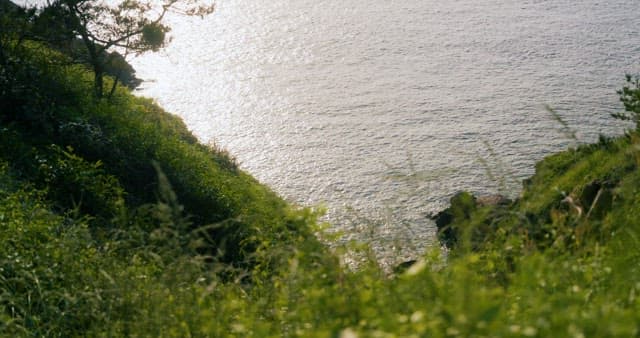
(116, 221)
(96, 157)
(630, 97)
(49, 27)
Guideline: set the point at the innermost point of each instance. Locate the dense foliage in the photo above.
(630, 97)
(95, 28)
(116, 221)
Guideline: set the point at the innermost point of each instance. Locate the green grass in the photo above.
(74, 138)
(116, 222)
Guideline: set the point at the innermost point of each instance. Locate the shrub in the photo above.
(630, 97)
(78, 185)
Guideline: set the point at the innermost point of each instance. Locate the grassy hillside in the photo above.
(82, 177)
(115, 221)
(97, 157)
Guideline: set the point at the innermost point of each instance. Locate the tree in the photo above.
(14, 24)
(17, 74)
(128, 27)
(630, 97)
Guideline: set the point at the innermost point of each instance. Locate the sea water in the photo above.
(381, 110)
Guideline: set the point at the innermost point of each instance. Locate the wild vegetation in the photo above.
(115, 221)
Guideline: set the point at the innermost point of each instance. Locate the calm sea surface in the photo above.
(381, 110)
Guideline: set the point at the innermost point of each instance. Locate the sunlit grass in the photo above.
(116, 222)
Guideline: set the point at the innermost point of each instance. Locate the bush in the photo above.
(83, 187)
(630, 97)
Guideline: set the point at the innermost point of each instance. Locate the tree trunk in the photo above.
(113, 88)
(94, 52)
(98, 80)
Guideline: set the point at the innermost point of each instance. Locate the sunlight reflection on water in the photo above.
(384, 109)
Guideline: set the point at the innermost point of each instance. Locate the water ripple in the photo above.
(383, 109)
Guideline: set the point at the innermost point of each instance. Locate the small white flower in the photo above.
(348, 333)
(529, 331)
(417, 316)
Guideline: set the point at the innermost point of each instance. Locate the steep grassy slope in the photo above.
(105, 202)
(116, 222)
(98, 157)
